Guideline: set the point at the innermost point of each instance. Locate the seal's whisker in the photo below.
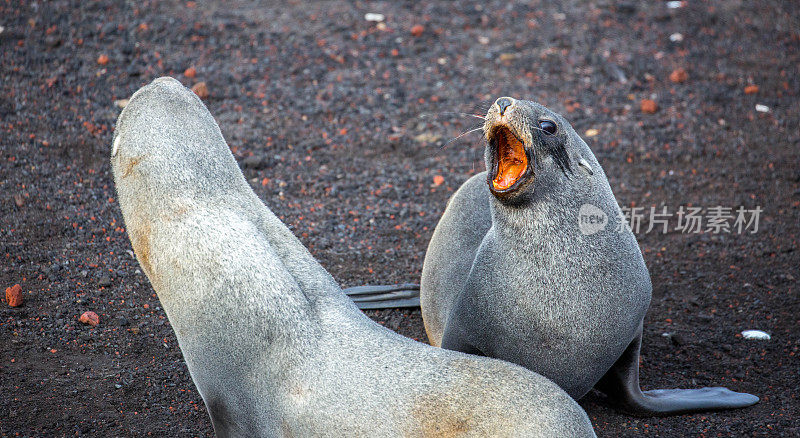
(452, 113)
(474, 115)
(462, 134)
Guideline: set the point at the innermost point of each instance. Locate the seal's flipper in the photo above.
(384, 297)
(621, 385)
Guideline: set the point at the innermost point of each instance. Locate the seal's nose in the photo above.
(503, 103)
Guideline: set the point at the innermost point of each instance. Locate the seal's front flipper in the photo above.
(384, 297)
(621, 385)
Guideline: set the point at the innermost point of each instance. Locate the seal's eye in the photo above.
(548, 127)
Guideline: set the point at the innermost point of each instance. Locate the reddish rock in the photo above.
(190, 72)
(751, 89)
(417, 30)
(678, 76)
(102, 59)
(649, 106)
(14, 295)
(201, 90)
(89, 318)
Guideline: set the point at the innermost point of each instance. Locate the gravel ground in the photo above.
(343, 127)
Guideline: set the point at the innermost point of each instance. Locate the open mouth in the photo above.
(510, 160)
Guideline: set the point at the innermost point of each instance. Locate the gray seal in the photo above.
(272, 344)
(511, 271)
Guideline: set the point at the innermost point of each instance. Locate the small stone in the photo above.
(52, 41)
(201, 90)
(102, 59)
(762, 108)
(591, 132)
(649, 106)
(438, 180)
(427, 138)
(751, 89)
(14, 295)
(374, 17)
(676, 37)
(121, 103)
(253, 162)
(679, 76)
(417, 30)
(89, 318)
(756, 335)
(105, 281)
(190, 72)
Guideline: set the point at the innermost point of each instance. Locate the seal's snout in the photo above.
(508, 161)
(504, 103)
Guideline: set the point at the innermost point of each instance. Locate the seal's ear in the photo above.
(585, 166)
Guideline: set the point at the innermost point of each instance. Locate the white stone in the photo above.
(756, 334)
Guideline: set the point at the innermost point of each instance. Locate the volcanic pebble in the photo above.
(678, 76)
(14, 295)
(201, 90)
(649, 106)
(89, 318)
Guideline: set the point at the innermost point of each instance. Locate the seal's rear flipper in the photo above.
(384, 297)
(621, 385)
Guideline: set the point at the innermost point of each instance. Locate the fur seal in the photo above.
(272, 344)
(509, 274)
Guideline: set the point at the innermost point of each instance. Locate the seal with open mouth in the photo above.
(509, 274)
